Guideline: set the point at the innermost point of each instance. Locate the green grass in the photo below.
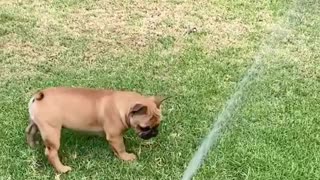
(142, 47)
(275, 134)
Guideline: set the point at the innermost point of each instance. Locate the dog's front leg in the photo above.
(119, 148)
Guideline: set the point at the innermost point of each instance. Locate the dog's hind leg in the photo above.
(32, 128)
(51, 139)
(31, 131)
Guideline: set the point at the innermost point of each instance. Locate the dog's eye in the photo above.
(145, 128)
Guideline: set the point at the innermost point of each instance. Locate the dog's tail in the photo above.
(39, 96)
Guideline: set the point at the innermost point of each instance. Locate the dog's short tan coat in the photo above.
(92, 110)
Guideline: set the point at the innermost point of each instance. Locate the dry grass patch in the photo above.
(118, 27)
(136, 24)
(81, 32)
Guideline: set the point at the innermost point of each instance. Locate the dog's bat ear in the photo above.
(138, 109)
(158, 100)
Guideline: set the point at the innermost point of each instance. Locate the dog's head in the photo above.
(145, 117)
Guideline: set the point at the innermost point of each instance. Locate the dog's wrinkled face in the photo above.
(145, 117)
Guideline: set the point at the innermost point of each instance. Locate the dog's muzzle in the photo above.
(149, 133)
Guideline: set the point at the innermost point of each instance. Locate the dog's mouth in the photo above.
(148, 132)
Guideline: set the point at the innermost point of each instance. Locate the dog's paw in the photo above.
(64, 169)
(128, 157)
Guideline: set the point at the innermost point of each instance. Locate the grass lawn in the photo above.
(151, 48)
(275, 135)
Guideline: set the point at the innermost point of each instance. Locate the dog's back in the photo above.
(74, 108)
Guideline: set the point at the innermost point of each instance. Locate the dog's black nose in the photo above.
(149, 134)
(154, 132)
(146, 136)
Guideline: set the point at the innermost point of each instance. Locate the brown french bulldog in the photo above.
(91, 110)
